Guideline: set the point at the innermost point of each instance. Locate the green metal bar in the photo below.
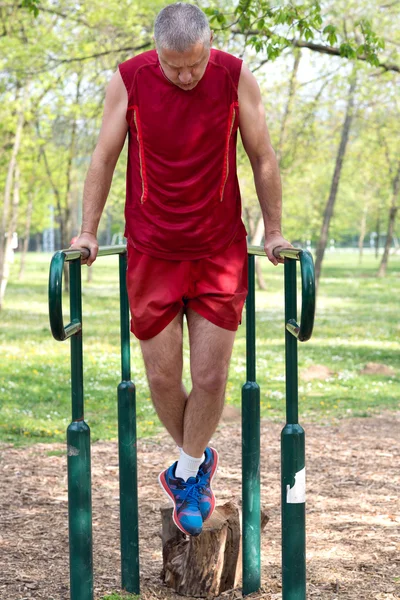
(292, 461)
(61, 333)
(127, 450)
(76, 341)
(251, 322)
(124, 320)
(55, 296)
(307, 296)
(303, 331)
(58, 330)
(78, 452)
(292, 412)
(251, 554)
(80, 511)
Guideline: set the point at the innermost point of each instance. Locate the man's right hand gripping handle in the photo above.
(87, 241)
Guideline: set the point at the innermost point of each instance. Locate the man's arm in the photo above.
(256, 142)
(98, 179)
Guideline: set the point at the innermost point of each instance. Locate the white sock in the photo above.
(187, 466)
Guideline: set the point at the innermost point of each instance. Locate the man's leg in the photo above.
(163, 360)
(191, 493)
(210, 353)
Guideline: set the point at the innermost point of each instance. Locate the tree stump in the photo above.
(206, 565)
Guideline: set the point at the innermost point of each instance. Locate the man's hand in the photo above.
(272, 241)
(89, 241)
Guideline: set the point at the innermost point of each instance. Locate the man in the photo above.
(181, 106)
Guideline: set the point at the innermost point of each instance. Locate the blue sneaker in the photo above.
(185, 497)
(205, 476)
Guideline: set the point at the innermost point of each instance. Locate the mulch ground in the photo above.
(353, 512)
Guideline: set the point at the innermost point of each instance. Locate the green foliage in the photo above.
(32, 6)
(273, 28)
(330, 32)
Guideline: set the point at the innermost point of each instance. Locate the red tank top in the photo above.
(182, 193)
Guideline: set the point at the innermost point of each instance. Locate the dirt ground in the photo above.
(353, 512)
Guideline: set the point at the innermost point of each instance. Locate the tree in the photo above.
(328, 212)
(394, 207)
(9, 218)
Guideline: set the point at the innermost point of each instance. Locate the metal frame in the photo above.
(292, 437)
(78, 433)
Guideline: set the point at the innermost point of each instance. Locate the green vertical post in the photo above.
(78, 452)
(251, 554)
(292, 462)
(127, 450)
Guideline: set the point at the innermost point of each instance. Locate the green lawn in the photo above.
(356, 323)
(125, 596)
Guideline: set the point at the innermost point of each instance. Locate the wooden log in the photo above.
(206, 565)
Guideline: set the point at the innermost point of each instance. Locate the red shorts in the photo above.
(215, 287)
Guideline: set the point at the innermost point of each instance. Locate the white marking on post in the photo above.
(297, 494)
(72, 451)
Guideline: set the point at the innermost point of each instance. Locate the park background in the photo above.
(329, 76)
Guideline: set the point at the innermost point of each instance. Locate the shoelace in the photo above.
(192, 495)
(203, 480)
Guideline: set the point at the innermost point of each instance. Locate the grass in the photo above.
(125, 596)
(356, 323)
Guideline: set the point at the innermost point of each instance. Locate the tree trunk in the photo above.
(109, 226)
(9, 252)
(392, 219)
(378, 234)
(363, 228)
(68, 173)
(207, 565)
(328, 213)
(256, 232)
(62, 217)
(27, 235)
(9, 186)
(259, 274)
(256, 240)
(289, 105)
(249, 221)
(38, 242)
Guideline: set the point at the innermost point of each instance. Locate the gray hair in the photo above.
(179, 26)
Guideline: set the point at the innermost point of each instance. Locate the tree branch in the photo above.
(390, 5)
(54, 62)
(320, 48)
(336, 52)
(98, 54)
(52, 11)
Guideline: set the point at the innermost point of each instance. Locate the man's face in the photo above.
(184, 69)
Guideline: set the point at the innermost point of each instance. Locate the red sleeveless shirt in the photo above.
(182, 193)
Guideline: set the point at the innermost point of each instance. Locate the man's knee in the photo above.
(210, 381)
(162, 379)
